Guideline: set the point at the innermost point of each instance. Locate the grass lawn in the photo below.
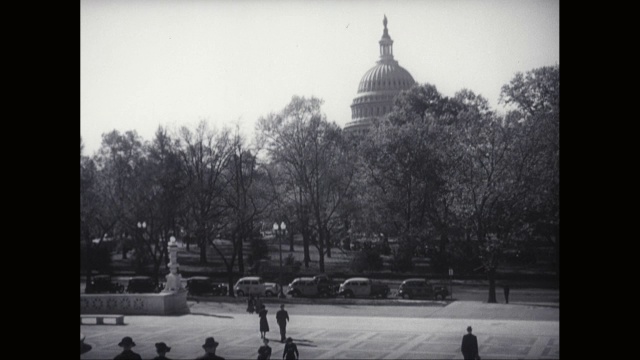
(338, 263)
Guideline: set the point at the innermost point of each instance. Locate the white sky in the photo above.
(148, 63)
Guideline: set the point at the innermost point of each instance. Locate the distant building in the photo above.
(378, 87)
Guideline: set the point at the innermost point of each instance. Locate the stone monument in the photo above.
(174, 280)
(170, 301)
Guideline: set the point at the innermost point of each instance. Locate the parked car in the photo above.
(254, 285)
(201, 285)
(420, 288)
(103, 284)
(363, 287)
(311, 286)
(143, 284)
(326, 287)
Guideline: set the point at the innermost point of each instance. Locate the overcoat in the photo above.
(469, 346)
(264, 325)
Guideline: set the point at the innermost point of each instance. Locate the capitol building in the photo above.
(378, 87)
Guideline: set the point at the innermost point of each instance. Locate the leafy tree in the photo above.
(402, 257)
(205, 155)
(245, 200)
(367, 259)
(409, 164)
(157, 200)
(315, 160)
(107, 187)
(90, 211)
(536, 97)
(258, 251)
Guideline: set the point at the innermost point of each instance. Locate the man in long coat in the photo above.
(282, 316)
(469, 346)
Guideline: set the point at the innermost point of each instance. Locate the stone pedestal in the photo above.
(171, 301)
(174, 303)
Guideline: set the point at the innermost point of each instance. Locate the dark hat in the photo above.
(127, 341)
(162, 347)
(289, 340)
(210, 342)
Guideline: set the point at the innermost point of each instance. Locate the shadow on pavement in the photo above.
(302, 342)
(213, 315)
(84, 348)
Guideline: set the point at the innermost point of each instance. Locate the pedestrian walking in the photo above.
(162, 349)
(258, 303)
(282, 316)
(251, 305)
(127, 354)
(290, 350)
(470, 346)
(264, 324)
(264, 352)
(506, 293)
(210, 346)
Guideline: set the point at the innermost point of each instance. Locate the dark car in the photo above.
(101, 284)
(201, 285)
(420, 288)
(143, 284)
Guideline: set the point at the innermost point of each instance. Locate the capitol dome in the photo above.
(386, 77)
(378, 87)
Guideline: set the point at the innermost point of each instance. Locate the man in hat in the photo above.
(282, 316)
(162, 349)
(210, 346)
(126, 344)
(290, 350)
(470, 346)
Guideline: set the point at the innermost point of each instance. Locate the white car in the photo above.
(363, 287)
(254, 285)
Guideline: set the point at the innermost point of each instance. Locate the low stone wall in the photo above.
(135, 304)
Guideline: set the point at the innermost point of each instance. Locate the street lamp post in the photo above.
(451, 283)
(141, 227)
(280, 232)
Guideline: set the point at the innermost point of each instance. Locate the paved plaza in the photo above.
(432, 334)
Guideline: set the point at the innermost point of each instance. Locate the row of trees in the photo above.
(449, 173)
(193, 185)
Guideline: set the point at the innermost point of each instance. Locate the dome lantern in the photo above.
(386, 44)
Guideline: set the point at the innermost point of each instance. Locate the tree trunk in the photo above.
(124, 249)
(88, 266)
(203, 252)
(202, 243)
(305, 245)
(328, 244)
(347, 241)
(307, 255)
(321, 250)
(444, 239)
(165, 252)
(156, 269)
(241, 254)
(230, 284)
(291, 241)
(556, 250)
(492, 286)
